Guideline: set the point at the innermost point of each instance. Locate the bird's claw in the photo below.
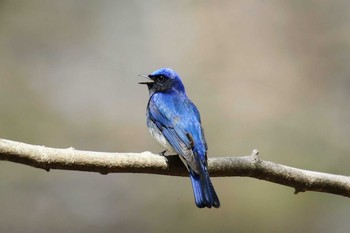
(162, 153)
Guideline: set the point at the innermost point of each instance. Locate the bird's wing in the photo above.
(177, 130)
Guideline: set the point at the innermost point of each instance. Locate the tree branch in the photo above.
(146, 162)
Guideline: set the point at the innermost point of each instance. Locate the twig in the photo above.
(146, 162)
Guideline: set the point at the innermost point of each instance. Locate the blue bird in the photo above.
(174, 121)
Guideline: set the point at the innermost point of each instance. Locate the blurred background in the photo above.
(271, 75)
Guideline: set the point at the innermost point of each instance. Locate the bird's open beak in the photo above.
(145, 76)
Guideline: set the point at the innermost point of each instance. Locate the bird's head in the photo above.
(163, 80)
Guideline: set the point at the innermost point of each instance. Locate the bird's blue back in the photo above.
(174, 121)
(179, 120)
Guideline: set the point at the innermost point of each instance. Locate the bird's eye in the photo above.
(161, 78)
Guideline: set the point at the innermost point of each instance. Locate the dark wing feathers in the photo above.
(174, 131)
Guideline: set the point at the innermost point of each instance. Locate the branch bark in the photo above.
(146, 162)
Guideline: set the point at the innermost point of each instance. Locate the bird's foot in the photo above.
(173, 155)
(162, 153)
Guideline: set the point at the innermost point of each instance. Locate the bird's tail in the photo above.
(203, 190)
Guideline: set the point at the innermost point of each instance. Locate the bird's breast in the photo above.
(159, 137)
